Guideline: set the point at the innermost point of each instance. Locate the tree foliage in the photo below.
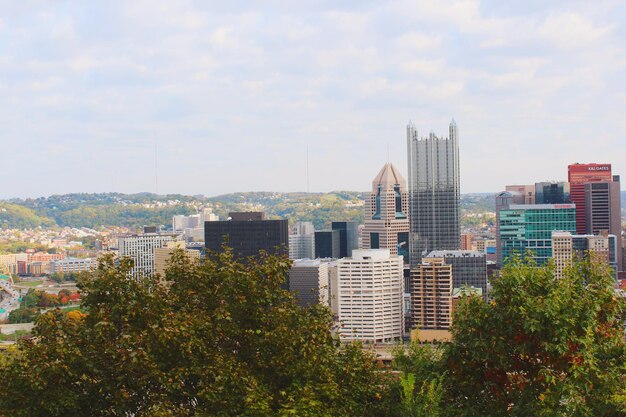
(221, 339)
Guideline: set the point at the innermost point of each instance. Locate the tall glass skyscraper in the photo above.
(434, 192)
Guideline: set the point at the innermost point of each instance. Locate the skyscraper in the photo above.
(327, 244)
(386, 209)
(578, 175)
(309, 279)
(469, 268)
(370, 296)
(552, 193)
(434, 192)
(247, 234)
(432, 294)
(348, 236)
(141, 249)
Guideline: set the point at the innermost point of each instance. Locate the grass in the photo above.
(31, 284)
(13, 336)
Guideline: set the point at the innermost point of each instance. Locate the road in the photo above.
(10, 299)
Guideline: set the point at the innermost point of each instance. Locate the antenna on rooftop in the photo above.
(307, 168)
(156, 168)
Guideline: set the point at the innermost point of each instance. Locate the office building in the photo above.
(513, 194)
(162, 255)
(247, 234)
(578, 175)
(327, 244)
(309, 279)
(370, 293)
(140, 248)
(434, 192)
(432, 294)
(603, 211)
(529, 227)
(552, 193)
(182, 222)
(386, 214)
(302, 241)
(567, 247)
(348, 237)
(469, 268)
(71, 265)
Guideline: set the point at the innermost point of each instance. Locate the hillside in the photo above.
(136, 210)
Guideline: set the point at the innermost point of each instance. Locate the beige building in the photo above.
(432, 295)
(309, 279)
(386, 219)
(163, 255)
(567, 247)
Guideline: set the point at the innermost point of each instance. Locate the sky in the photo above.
(213, 97)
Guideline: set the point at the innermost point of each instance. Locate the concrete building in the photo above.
(370, 288)
(302, 241)
(567, 247)
(529, 227)
(386, 208)
(327, 244)
(248, 234)
(434, 192)
(70, 265)
(469, 268)
(578, 175)
(467, 241)
(432, 294)
(141, 248)
(163, 255)
(603, 211)
(310, 280)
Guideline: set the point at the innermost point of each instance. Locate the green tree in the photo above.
(543, 347)
(221, 339)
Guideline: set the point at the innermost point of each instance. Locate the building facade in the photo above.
(162, 255)
(140, 248)
(529, 227)
(309, 279)
(386, 214)
(69, 265)
(348, 237)
(370, 288)
(578, 175)
(247, 236)
(567, 247)
(434, 192)
(469, 268)
(431, 301)
(327, 244)
(552, 193)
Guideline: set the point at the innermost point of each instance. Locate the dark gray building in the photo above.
(603, 210)
(552, 193)
(309, 280)
(434, 192)
(469, 268)
(247, 237)
(348, 237)
(327, 244)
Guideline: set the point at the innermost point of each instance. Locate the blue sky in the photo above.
(233, 92)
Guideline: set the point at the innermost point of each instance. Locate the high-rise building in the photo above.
(432, 294)
(309, 279)
(567, 246)
(370, 291)
(327, 244)
(141, 249)
(302, 241)
(348, 237)
(603, 211)
(578, 175)
(469, 268)
(434, 192)
(247, 234)
(552, 193)
(386, 214)
(513, 194)
(529, 227)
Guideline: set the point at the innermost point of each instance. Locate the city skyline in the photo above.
(92, 90)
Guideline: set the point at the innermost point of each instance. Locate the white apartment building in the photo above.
(370, 291)
(140, 248)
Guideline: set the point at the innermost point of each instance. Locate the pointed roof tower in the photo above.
(389, 177)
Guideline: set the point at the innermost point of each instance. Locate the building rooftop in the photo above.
(389, 177)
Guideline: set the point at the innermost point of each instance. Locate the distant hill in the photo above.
(136, 210)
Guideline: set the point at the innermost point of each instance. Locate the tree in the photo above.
(221, 339)
(543, 347)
